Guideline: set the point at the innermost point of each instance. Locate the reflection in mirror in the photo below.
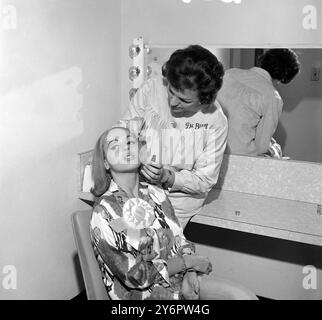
(252, 104)
(299, 129)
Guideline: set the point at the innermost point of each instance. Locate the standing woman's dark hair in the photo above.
(282, 64)
(100, 174)
(195, 68)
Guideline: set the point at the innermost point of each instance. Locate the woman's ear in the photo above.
(106, 165)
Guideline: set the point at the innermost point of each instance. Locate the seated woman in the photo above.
(137, 239)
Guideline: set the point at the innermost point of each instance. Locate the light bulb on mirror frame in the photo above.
(134, 72)
(132, 92)
(134, 50)
(148, 49)
(148, 71)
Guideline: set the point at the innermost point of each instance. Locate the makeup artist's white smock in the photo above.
(192, 147)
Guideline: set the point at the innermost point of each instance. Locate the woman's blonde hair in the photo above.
(101, 176)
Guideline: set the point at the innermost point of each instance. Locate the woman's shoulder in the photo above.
(108, 205)
(214, 116)
(107, 197)
(220, 116)
(159, 196)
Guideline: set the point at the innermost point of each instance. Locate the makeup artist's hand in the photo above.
(155, 173)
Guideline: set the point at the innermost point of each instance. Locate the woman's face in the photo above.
(183, 103)
(121, 151)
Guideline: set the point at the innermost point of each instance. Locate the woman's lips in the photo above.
(129, 157)
(132, 158)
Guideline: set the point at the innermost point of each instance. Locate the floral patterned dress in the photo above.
(132, 239)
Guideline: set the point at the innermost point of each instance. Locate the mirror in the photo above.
(299, 131)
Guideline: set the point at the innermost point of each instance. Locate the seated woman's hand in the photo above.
(198, 263)
(190, 286)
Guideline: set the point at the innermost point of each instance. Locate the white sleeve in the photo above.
(138, 103)
(268, 124)
(134, 116)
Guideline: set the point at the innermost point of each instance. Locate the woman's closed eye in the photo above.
(185, 101)
(114, 147)
(181, 99)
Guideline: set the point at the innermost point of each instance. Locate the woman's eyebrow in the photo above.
(184, 100)
(113, 140)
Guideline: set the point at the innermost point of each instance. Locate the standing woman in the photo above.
(183, 120)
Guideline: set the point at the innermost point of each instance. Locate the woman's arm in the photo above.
(176, 265)
(268, 124)
(193, 262)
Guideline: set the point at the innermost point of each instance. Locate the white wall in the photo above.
(59, 89)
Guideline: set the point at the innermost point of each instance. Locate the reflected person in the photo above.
(253, 105)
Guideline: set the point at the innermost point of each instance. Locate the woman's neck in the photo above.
(128, 181)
